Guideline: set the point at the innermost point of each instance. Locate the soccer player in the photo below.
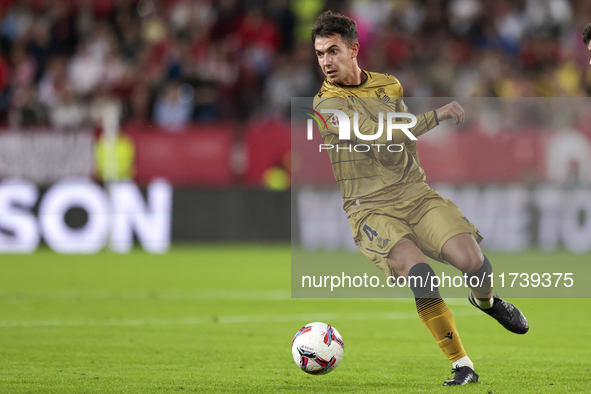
(397, 220)
(587, 38)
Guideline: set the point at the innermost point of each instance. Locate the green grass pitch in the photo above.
(219, 319)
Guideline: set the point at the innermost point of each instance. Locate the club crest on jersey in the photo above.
(382, 242)
(334, 120)
(381, 93)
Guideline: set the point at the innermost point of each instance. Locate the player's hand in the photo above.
(451, 111)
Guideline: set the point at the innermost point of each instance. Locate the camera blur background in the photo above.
(198, 92)
(145, 173)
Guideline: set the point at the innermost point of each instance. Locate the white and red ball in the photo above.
(317, 348)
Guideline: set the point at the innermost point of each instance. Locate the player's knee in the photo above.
(469, 262)
(402, 264)
(484, 269)
(403, 256)
(400, 267)
(463, 252)
(465, 256)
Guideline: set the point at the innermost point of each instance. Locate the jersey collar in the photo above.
(355, 86)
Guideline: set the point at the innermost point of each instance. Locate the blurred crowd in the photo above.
(170, 63)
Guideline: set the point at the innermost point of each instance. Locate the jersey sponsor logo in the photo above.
(381, 93)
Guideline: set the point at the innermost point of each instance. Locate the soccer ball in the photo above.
(317, 348)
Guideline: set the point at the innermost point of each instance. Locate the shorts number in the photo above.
(370, 232)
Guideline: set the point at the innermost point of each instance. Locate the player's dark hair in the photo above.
(587, 34)
(330, 23)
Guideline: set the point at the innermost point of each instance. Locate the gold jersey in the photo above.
(378, 177)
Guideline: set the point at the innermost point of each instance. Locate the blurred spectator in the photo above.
(260, 39)
(63, 28)
(40, 45)
(69, 112)
(115, 69)
(102, 102)
(227, 19)
(207, 60)
(153, 28)
(279, 11)
(4, 73)
(294, 76)
(85, 70)
(217, 67)
(24, 67)
(53, 79)
(17, 20)
(187, 13)
(172, 109)
(139, 106)
(207, 106)
(26, 110)
(5, 89)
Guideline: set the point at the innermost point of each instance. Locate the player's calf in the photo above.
(436, 316)
(480, 283)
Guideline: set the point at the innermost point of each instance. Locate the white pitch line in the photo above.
(79, 295)
(222, 319)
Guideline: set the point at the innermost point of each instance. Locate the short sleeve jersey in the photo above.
(380, 176)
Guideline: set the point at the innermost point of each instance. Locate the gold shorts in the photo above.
(428, 219)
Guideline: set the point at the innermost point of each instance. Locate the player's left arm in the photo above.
(429, 120)
(453, 111)
(424, 123)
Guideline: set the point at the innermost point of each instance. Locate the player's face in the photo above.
(589, 48)
(335, 57)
